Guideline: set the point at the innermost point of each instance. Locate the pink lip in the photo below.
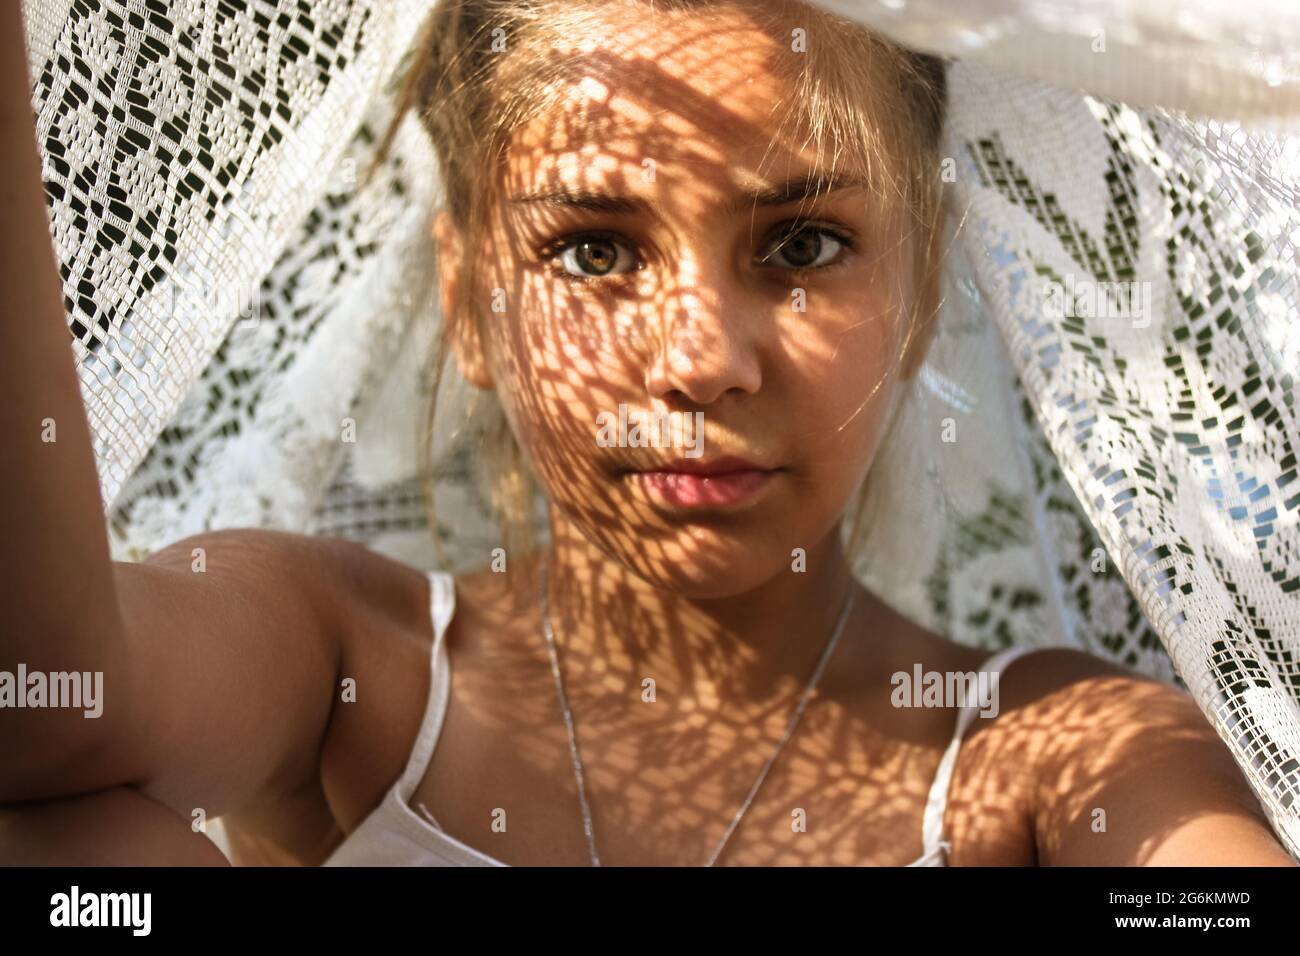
(689, 483)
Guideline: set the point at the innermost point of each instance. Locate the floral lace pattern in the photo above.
(250, 320)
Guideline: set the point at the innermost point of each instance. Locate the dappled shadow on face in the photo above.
(665, 250)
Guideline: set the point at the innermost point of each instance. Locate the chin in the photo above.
(705, 582)
(699, 562)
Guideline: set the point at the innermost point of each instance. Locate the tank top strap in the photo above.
(442, 604)
(936, 804)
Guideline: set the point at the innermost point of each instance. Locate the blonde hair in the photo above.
(482, 68)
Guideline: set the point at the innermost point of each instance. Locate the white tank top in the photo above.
(395, 835)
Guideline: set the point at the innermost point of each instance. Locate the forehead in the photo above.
(686, 94)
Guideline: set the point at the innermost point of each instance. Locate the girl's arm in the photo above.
(1130, 773)
(214, 686)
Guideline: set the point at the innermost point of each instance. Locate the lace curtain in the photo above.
(1117, 355)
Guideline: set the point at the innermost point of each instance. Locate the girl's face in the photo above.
(657, 256)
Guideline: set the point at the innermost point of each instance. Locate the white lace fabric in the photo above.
(236, 296)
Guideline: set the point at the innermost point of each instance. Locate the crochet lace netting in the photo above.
(242, 305)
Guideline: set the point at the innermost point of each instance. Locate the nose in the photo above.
(708, 346)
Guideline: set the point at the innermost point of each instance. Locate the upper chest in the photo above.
(663, 789)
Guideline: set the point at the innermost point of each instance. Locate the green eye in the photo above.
(593, 257)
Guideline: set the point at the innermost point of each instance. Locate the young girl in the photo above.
(724, 214)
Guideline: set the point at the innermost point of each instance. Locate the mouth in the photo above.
(692, 483)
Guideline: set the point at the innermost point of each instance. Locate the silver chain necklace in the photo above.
(573, 740)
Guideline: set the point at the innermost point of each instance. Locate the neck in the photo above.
(614, 630)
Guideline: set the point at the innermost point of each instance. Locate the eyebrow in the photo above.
(798, 188)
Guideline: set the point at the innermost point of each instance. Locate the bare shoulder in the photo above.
(315, 631)
(346, 582)
(1121, 769)
(387, 663)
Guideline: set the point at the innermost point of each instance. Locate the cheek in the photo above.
(561, 357)
(558, 366)
(842, 373)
